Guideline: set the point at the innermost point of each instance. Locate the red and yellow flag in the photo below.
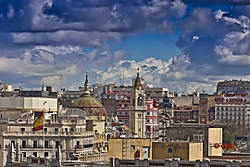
(38, 124)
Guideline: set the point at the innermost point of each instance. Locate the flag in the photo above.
(38, 124)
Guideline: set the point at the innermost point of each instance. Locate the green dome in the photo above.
(88, 103)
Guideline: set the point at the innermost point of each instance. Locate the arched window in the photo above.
(139, 101)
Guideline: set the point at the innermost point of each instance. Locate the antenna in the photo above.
(42, 85)
(61, 82)
(122, 77)
(120, 81)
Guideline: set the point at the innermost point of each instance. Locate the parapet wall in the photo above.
(176, 163)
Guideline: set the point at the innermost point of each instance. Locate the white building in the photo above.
(68, 133)
(4, 87)
(233, 108)
(29, 103)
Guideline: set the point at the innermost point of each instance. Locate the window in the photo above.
(45, 129)
(24, 154)
(46, 144)
(22, 129)
(57, 143)
(77, 144)
(132, 147)
(23, 144)
(56, 129)
(35, 144)
(35, 154)
(13, 142)
(71, 154)
(198, 137)
(170, 150)
(46, 154)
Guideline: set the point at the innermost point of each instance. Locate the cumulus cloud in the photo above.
(221, 48)
(48, 63)
(46, 39)
(227, 2)
(174, 74)
(43, 40)
(84, 22)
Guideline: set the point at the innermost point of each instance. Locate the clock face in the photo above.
(203, 120)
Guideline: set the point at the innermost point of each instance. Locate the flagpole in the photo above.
(44, 132)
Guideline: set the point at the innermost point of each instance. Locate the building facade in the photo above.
(138, 109)
(233, 109)
(233, 87)
(68, 133)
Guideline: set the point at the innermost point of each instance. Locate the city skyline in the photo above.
(184, 45)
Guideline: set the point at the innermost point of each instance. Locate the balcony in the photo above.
(99, 138)
(48, 134)
(152, 132)
(83, 146)
(138, 108)
(37, 146)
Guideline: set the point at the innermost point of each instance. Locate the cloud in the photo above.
(227, 2)
(178, 73)
(43, 40)
(48, 63)
(174, 74)
(46, 39)
(216, 42)
(83, 22)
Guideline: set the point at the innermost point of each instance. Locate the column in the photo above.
(145, 162)
(176, 163)
(228, 163)
(167, 162)
(197, 163)
(206, 163)
(137, 162)
(236, 164)
(117, 162)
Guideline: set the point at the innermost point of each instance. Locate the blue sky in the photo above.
(186, 44)
(150, 44)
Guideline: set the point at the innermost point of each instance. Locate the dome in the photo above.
(166, 103)
(88, 103)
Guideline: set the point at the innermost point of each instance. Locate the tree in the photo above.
(227, 137)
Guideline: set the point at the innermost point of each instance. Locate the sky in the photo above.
(184, 45)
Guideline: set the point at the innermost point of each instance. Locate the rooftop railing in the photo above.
(57, 134)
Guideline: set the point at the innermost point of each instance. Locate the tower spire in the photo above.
(137, 84)
(86, 85)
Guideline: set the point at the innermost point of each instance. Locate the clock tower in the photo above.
(138, 108)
